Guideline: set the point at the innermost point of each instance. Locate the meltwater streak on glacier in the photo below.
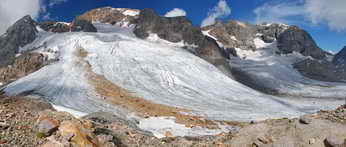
(155, 71)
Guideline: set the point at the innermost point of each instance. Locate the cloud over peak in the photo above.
(176, 12)
(220, 10)
(330, 12)
(12, 10)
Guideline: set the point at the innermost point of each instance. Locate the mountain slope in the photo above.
(155, 71)
(172, 76)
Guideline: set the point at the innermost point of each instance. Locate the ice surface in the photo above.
(159, 126)
(275, 71)
(160, 72)
(75, 113)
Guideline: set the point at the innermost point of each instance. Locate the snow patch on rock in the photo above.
(131, 12)
(160, 126)
(75, 113)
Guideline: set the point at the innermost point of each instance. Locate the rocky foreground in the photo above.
(32, 122)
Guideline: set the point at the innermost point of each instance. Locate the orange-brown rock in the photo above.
(78, 134)
(110, 15)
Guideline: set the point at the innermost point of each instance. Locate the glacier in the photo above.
(153, 70)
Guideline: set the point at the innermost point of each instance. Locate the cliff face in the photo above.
(298, 40)
(18, 35)
(340, 58)
(122, 16)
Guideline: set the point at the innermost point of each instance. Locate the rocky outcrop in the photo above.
(340, 58)
(177, 29)
(270, 32)
(81, 25)
(320, 70)
(234, 34)
(22, 66)
(78, 25)
(295, 39)
(18, 35)
(55, 27)
(121, 16)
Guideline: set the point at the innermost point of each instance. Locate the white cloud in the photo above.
(176, 12)
(278, 12)
(46, 16)
(55, 2)
(220, 10)
(330, 12)
(12, 10)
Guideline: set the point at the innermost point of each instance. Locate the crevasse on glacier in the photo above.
(154, 70)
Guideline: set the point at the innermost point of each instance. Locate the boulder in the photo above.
(333, 141)
(305, 120)
(18, 35)
(78, 134)
(47, 126)
(295, 39)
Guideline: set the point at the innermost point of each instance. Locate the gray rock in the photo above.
(298, 40)
(269, 33)
(234, 34)
(18, 35)
(56, 27)
(340, 58)
(305, 120)
(47, 126)
(333, 141)
(4, 126)
(81, 25)
(321, 70)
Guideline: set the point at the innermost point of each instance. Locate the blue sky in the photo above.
(326, 24)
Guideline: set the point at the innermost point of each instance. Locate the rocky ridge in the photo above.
(18, 35)
(121, 16)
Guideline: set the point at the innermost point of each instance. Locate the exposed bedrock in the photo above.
(18, 35)
(177, 29)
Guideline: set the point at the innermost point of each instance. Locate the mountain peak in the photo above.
(121, 16)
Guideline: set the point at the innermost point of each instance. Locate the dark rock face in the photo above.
(270, 32)
(296, 39)
(52, 26)
(78, 25)
(81, 25)
(22, 66)
(320, 70)
(178, 29)
(340, 58)
(18, 35)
